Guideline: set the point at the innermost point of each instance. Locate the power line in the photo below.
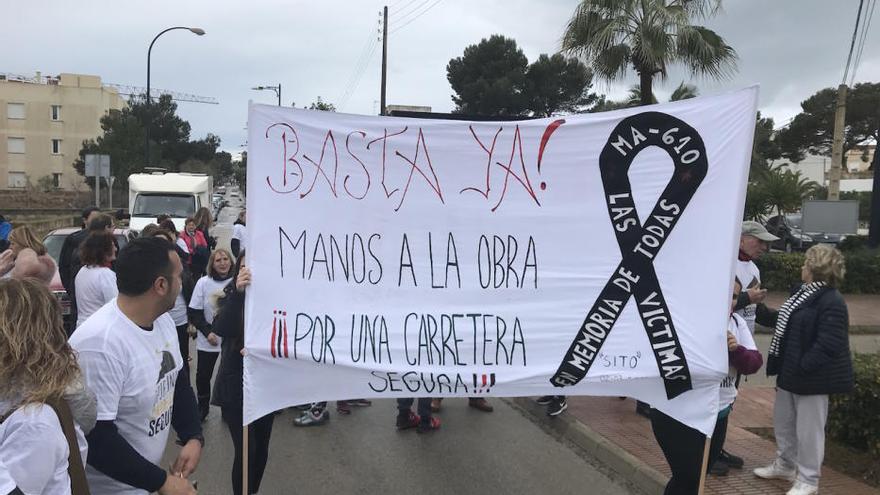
(853, 42)
(393, 10)
(402, 13)
(398, 28)
(864, 35)
(366, 52)
(356, 79)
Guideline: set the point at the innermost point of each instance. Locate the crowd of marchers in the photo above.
(88, 407)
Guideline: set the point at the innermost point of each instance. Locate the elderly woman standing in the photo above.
(810, 356)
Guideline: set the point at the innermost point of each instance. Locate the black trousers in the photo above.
(183, 341)
(260, 432)
(204, 372)
(683, 448)
(718, 437)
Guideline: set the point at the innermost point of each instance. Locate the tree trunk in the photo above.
(646, 79)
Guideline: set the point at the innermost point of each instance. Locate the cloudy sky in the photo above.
(791, 48)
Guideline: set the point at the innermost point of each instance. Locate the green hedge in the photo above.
(782, 271)
(853, 418)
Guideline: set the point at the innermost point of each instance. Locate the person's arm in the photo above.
(746, 361)
(186, 422)
(113, 456)
(185, 415)
(831, 337)
(197, 318)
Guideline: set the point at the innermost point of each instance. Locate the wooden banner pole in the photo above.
(244, 459)
(705, 466)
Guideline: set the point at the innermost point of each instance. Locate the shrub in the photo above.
(782, 271)
(852, 419)
(853, 243)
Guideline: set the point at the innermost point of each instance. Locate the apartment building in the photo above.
(43, 122)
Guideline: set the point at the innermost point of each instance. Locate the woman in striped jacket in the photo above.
(810, 357)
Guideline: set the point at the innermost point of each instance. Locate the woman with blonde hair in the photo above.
(810, 356)
(21, 239)
(202, 308)
(38, 376)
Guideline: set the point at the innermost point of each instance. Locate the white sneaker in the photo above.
(776, 471)
(801, 488)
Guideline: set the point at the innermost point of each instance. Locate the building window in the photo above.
(56, 180)
(15, 110)
(17, 180)
(56, 146)
(56, 112)
(15, 145)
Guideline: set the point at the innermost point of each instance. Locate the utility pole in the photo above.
(384, 58)
(837, 145)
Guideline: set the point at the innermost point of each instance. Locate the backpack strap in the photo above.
(75, 469)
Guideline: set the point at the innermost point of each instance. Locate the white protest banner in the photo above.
(580, 255)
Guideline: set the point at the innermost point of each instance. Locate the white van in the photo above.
(178, 195)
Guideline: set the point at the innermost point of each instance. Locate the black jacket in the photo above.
(815, 357)
(68, 260)
(229, 324)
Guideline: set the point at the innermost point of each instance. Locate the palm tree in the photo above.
(647, 35)
(682, 92)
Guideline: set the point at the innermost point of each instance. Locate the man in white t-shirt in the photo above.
(753, 243)
(130, 357)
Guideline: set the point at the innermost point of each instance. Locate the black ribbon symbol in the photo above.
(639, 245)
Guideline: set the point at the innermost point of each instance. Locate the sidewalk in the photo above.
(609, 429)
(863, 313)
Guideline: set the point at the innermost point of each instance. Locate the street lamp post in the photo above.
(195, 30)
(276, 89)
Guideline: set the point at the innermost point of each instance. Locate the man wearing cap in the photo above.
(753, 243)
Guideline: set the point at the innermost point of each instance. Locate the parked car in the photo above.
(789, 229)
(54, 241)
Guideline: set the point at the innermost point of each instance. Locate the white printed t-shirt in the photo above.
(95, 287)
(34, 450)
(239, 232)
(6, 482)
(132, 372)
(749, 275)
(178, 312)
(203, 299)
(740, 330)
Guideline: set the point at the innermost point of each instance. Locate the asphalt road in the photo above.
(496, 453)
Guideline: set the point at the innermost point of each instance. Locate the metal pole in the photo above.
(98, 185)
(837, 145)
(149, 121)
(384, 58)
(279, 94)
